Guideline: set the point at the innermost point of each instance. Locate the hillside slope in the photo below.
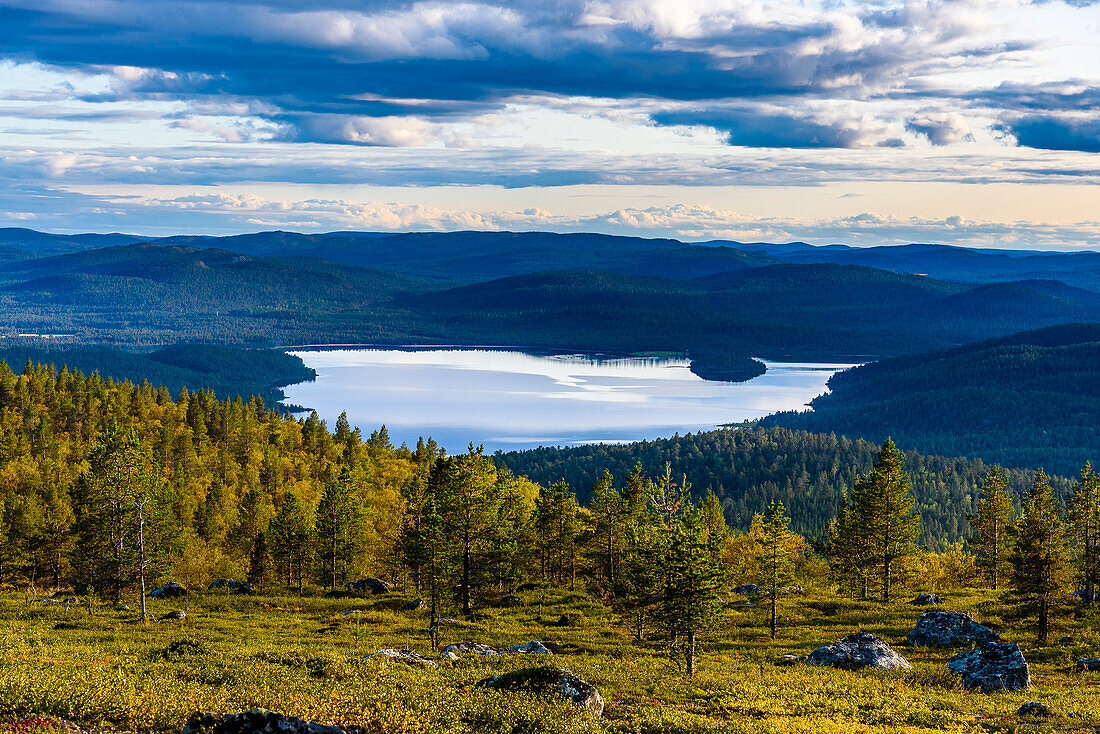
(1028, 399)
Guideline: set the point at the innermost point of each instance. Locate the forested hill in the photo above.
(230, 372)
(748, 468)
(1025, 400)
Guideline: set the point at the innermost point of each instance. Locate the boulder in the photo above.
(1090, 664)
(231, 585)
(858, 650)
(450, 656)
(1035, 708)
(472, 648)
(413, 605)
(122, 608)
(995, 666)
(924, 600)
(373, 586)
(256, 721)
(534, 647)
(790, 659)
(548, 681)
(511, 602)
(405, 656)
(171, 590)
(948, 629)
(746, 589)
(178, 614)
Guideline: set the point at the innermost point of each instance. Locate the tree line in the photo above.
(106, 487)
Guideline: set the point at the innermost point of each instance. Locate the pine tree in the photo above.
(693, 579)
(258, 562)
(775, 554)
(291, 533)
(339, 519)
(1084, 519)
(1040, 555)
(883, 510)
(463, 487)
(992, 524)
(607, 510)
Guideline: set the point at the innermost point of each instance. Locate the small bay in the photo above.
(513, 400)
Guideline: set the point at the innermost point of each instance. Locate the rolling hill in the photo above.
(1027, 399)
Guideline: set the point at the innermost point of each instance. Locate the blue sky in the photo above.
(967, 121)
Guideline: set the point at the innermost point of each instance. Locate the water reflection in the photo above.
(512, 399)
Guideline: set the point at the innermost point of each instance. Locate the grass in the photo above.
(306, 657)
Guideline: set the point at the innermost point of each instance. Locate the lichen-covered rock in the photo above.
(178, 614)
(534, 647)
(472, 648)
(924, 600)
(949, 629)
(858, 650)
(122, 608)
(256, 721)
(450, 656)
(1088, 664)
(405, 656)
(995, 666)
(548, 681)
(171, 590)
(746, 589)
(1035, 708)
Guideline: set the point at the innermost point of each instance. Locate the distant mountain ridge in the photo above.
(475, 256)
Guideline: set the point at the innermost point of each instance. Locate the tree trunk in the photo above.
(689, 654)
(466, 577)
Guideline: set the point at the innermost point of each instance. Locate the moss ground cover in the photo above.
(308, 657)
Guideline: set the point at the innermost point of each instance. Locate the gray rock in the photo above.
(471, 648)
(178, 614)
(122, 608)
(49, 601)
(858, 650)
(533, 647)
(948, 629)
(995, 666)
(746, 589)
(790, 659)
(256, 721)
(450, 656)
(407, 657)
(511, 601)
(924, 600)
(350, 612)
(1035, 708)
(1090, 664)
(374, 586)
(171, 590)
(549, 681)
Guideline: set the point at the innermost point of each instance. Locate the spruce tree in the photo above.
(775, 554)
(883, 510)
(1084, 519)
(992, 524)
(607, 511)
(1040, 555)
(693, 579)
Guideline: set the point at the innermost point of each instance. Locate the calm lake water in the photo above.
(513, 400)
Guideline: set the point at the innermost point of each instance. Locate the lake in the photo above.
(514, 400)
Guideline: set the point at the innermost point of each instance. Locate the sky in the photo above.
(971, 122)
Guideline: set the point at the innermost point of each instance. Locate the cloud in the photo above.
(1053, 132)
(941, 128)
(754, 128)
